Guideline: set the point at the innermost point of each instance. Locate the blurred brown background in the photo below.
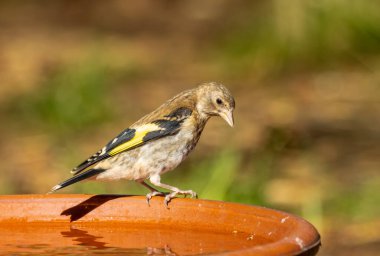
(304, 73)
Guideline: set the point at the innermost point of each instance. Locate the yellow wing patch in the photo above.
(136, 140)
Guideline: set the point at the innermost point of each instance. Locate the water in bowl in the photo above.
(112, 239)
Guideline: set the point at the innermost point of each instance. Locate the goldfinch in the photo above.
(158, 142)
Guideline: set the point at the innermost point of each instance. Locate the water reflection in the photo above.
(119, 239)
(161, 251)
(84, 238)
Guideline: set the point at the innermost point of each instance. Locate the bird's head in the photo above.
(215, 100)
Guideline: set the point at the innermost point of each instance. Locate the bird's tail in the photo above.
(82, 176)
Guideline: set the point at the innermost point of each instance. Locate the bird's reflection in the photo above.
(84, 238)
(160, 251)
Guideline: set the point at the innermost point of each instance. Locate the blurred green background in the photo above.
(304, 73)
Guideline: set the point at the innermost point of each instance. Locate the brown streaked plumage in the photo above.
(159, 141)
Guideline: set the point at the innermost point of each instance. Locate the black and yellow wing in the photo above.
(129, 139)
(137, 136)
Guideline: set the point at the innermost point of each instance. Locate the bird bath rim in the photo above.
(285, 233)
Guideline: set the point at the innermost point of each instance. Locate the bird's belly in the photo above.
(155, 157)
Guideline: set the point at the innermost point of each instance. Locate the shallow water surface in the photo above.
(74, 239)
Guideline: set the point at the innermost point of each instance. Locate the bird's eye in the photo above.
(219, 101)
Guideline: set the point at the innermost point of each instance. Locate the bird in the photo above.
(158, 142)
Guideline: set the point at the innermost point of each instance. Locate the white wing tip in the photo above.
(56, 187)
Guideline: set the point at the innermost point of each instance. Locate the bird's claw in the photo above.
(173, 194)
(152, 194)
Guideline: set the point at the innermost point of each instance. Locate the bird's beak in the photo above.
(228, 117)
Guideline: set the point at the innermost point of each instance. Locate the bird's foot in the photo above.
(173, 194)
(152, 194)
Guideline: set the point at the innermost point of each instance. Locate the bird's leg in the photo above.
(153, 191)
(156, 180)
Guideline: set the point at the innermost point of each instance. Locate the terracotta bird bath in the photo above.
(126, 225)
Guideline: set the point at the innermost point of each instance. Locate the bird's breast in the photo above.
(155, 157)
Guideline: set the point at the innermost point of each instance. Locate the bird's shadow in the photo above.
(78, 211)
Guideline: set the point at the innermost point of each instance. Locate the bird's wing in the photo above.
(137, 136)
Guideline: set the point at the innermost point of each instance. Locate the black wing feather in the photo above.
(102, 154)
(169, 126)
